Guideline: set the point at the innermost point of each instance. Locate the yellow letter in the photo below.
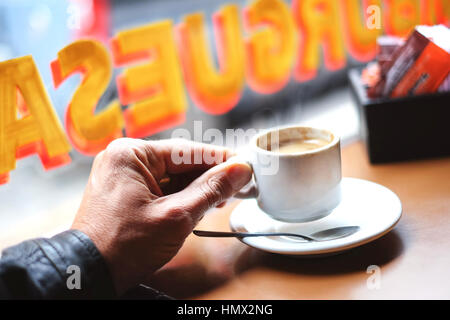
(361, 35)
(320, 24)
(38, 131)
(401, 16)
(89, 132)
(155, 88)
(435, 12)
(272, 46)
(214, 92)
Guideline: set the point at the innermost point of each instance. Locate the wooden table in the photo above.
(414, 258)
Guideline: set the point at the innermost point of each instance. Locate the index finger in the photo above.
(182, 155)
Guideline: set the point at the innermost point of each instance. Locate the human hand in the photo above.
(140, 205)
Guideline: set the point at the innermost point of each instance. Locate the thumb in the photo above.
(213, 187)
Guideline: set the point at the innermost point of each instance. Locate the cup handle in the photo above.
(250, 190)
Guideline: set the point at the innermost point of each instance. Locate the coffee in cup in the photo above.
(300, 145)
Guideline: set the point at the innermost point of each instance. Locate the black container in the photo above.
(399, 129)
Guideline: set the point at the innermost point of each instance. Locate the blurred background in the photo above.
(40, 203)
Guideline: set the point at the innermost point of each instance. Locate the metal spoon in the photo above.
(324, 235)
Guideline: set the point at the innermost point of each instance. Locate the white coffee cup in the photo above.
(299, 186)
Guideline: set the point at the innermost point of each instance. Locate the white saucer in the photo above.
(372, 207)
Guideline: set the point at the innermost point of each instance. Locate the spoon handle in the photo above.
(221, 234)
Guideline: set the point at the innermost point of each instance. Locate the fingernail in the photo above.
(238, 175)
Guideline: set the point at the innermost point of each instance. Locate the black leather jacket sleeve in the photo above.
(67, 266)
